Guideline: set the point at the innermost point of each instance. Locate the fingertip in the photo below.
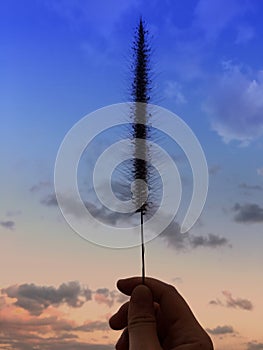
(141, 293)
(123, 284)
(119, 283)
(119, 320)
(126, 285)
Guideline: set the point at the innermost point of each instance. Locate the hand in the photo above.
(156, 318)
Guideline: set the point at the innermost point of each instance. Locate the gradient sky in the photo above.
(62, 59)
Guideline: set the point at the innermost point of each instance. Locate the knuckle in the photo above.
(141, 320)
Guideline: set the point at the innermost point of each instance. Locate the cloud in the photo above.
(43, 325)
(93, 326)
(20, 340)
(171, 234)
(248, 213)
(8, 224)
(230, 302)
(31, 330)
(235, 105)
(50, 200)
(216, 302)
(177, 280)
(245, 186)
(175, 239)
(219, 330)
(12, 213)
(35, 299)
(97, 211)
(41, 185)
(214, 169)
(2, 302)
(240, 303)
(211, 241)
(28, 323)
(105, 215)
(173, 90)
(212, 17)
(105, 296)
(94, 15)
(254, 346)
(260, 171)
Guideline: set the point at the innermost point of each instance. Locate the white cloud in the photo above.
(235, 104)
(173, 90)
(260, 171)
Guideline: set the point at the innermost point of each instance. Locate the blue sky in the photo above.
(63, 59)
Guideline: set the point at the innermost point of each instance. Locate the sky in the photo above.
(63, 59)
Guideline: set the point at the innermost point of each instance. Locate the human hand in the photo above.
(156, 318)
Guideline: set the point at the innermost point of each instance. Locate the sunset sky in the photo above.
(63, 59)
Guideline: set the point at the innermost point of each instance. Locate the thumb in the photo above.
(141, 321)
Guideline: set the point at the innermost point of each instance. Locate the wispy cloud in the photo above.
(177, 280)
(92, 326)
(260, 171)
(108, 297)
(212, 17)
(94, 15)
(235, 105)
(231, 302)
(214, 169)
(211, 241)
(239, 303)
(254, 346)
(49, 200)
(173, 91)
(173, 237)
(55, 343)
(248, 213)
(41, 185)
(219, 330)
(246, 186)
(104, 296)
(13, 213)
(47, 332)
(8, 224)
(100, 212)
(32, 324)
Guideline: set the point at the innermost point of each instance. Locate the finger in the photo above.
(141, 320)
(127, 285)
(123, 342)
(119, 320)
(171, 302)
